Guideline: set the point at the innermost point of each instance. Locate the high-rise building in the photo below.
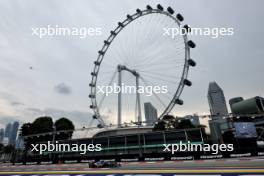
(216, 100)
(218, 109)
(151, 114)
(2, 135)
(8, 129)
(13, 133)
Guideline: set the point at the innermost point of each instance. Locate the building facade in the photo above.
(9, 135)
(218, 123)
(151, 114)
(8, 129)
(2, 135)
(216, 100)
(13, 133)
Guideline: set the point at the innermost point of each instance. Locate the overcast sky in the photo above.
(50, 76)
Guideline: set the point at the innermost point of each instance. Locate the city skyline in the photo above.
(9, 134)
(51, 76)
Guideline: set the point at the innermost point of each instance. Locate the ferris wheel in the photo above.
(142, 52)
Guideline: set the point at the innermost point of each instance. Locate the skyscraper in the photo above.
(13, 133)
(8, 129)
(151, 114)
(216, 100)
(218, 110)
(2, 134)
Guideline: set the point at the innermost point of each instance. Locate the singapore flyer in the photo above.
(138, 53)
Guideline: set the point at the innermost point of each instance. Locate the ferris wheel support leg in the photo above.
(119, 120)
(138, 102)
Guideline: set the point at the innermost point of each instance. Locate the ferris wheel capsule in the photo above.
(160, 7)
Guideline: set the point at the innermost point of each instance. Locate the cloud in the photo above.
(62, 88)
(16, 103)
(35, 111)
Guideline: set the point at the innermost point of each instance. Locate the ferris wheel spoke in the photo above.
(160, 101)
(150, 60)
(153, 56)
(161, 67)
(104, 95)
(160, 75)
(152, 84)
(148, 36)
(159, 78)
(148, 65)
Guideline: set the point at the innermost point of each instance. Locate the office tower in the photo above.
(216, 100)
(151, 114)
(8, 130)
(13, 133)
(218, 109)
(2, 135)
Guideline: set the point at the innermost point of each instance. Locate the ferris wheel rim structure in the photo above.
(114, 33)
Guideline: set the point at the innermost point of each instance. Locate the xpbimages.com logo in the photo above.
(194, 147)
(61, 147)
(50, 31)
(211, 32)
(128, 89)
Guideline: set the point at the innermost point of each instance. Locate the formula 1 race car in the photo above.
(104, 164)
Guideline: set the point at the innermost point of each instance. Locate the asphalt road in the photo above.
(224, 166)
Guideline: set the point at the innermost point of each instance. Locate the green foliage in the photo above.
(64, 124)
(169, 122)
(42, 125)
(1, 148)
(26, 129)
(9, 149)
(184, 124)
(159, 126)
(42, 130)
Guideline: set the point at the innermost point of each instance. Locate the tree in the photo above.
(168, 117)
(169, 122)
(25, 130)
(45, 125)
(159, 126)
(9, 149)
(42, 125)
(184, 124)
(1, 148)
(64, 124)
